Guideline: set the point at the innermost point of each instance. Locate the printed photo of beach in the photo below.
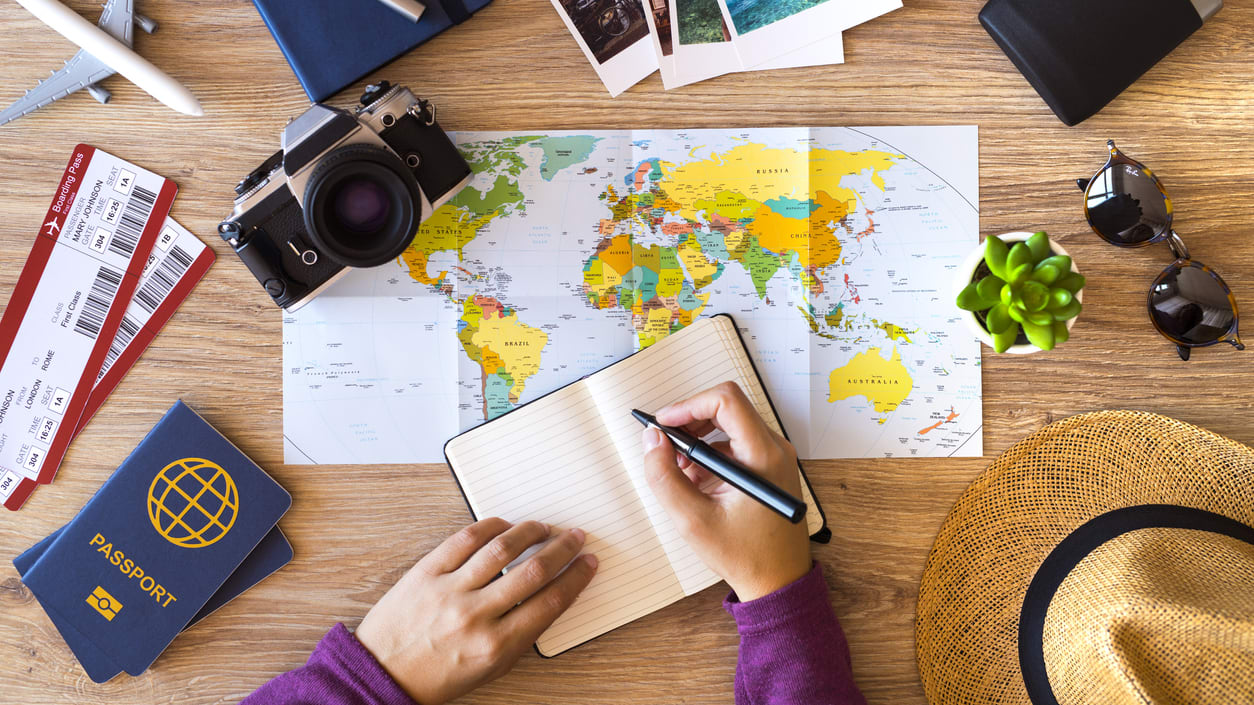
(748, 15)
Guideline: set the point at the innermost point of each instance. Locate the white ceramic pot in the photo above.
(972, 263)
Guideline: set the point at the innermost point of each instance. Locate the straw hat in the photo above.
(1106, 559)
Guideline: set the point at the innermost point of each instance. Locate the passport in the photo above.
(161, 537)
(271, 554)
(330, 44)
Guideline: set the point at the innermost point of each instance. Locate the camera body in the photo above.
(347, 189)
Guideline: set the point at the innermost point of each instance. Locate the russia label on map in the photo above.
(834, 249)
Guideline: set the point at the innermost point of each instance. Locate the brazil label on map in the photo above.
(834, 249)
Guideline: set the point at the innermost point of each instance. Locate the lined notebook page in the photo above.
(552, 461)
(677, 367)
(574, 458)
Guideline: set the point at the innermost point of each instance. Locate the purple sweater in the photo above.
(792, 652)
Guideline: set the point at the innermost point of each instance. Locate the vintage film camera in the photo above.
(348, 189)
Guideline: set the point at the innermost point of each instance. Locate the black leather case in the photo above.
(1081, 54)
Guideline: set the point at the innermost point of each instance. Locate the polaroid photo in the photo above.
(703, 47)
(659, 18)
(614, 35)
(763, 30)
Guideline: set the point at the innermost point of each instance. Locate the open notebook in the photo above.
(573, 458)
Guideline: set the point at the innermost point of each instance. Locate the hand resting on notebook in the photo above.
(756, 551)
(447, 627)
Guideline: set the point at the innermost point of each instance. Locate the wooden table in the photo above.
(356, 529)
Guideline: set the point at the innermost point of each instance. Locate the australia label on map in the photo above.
(834, 249)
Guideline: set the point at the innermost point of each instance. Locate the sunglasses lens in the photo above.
(1191, 305)
(1126, 207)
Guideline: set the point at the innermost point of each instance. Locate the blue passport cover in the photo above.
(165, 532)
(271, 554)
(331, 44)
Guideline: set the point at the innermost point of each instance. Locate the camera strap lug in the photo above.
(424, 111)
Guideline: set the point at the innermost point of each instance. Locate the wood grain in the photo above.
(356, 529)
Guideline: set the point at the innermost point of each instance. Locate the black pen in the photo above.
(729, 470)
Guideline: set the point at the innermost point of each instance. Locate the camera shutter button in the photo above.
(275, 288)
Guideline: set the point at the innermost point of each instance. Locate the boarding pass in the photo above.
(68, 304)
(178, 261)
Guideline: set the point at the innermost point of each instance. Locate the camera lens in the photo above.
(362, 206)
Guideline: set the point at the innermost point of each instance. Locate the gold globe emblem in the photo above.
(192, 502)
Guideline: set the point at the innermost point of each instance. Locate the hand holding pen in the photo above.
(750, 546)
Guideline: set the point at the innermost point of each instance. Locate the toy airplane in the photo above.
(110, 52)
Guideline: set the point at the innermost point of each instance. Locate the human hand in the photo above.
(447, 627)
(754, 549)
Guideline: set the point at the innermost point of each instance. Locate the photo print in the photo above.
(607, 27)
(663, 41)
(704, 48)
(748, 15)
(615, 36)
(701, 22)
(660, 26)
(763, 30)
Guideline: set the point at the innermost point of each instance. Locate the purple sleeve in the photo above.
(792, 650)
(339, 672)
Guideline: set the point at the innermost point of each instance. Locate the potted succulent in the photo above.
(1021, 291)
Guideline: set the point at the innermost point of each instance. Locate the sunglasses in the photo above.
(1189, 303)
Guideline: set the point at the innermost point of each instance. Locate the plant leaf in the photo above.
(1040, 318)
(1007, 294)
(990, 287)
(1059, 297)
(1061, 333)
(969, 299)
(1034, 295)
(1017, 313)
(1003, 340)
(998, 319)
(1039, 245)
(1064, 313)
(1021, 273)
(1046, 275)
(995, 253)
(1061, 262)
(1040, 336)
(1072, 282)
(1019, 256)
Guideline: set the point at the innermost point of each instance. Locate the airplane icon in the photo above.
(52, 227)
(84, 70)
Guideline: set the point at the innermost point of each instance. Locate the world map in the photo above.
(833, 249)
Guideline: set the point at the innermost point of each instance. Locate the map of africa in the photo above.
(834, 249)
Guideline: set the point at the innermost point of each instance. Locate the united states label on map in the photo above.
(835, 250)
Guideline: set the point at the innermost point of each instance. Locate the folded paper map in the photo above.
(835, 249)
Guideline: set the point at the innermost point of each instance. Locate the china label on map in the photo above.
(834, 249)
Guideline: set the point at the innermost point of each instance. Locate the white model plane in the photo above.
(84, 70)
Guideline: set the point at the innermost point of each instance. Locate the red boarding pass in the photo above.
(177, 263)
(68, 305)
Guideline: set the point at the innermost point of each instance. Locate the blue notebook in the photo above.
(331, 44)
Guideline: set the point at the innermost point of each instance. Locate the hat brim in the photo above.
(1031, 499)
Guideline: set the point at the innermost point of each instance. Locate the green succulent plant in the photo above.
(1028, 288)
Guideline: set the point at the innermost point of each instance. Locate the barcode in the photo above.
(131, 226)
(126, 332)
(96, 308)
(163, 278)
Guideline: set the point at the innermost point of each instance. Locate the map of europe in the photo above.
(834, 249)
